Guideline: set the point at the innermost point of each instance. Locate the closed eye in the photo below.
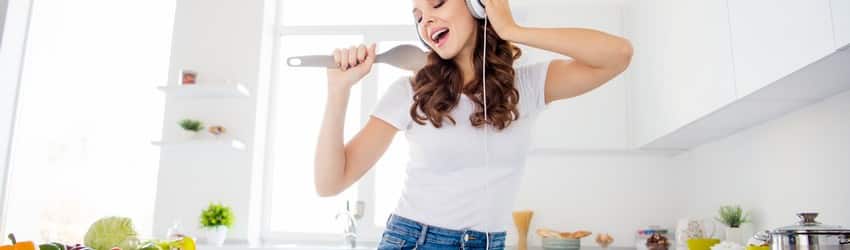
(439, 4)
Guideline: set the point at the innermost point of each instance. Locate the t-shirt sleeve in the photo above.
(531, 82)
(394, 105)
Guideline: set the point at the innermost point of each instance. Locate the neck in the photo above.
(466, 65)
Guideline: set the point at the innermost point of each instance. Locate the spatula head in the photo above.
(405, 56)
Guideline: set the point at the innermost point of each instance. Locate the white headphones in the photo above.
(476, 8)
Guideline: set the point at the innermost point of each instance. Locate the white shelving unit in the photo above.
(201, 90)
(231, 144)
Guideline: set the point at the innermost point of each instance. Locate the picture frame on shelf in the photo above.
(188, 77)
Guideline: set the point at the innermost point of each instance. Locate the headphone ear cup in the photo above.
(476, 8)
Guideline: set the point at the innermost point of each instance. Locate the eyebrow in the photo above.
(415, 9)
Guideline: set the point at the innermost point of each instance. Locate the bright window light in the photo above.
(88, 111)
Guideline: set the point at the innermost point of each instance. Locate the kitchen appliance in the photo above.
(809, 234)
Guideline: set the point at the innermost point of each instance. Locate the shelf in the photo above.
(207, 144)
(206, 90)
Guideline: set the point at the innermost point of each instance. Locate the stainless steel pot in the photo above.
(809, 234)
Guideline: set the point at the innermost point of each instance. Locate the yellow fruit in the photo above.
(188, 243)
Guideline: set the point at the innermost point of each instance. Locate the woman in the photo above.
(453, 197)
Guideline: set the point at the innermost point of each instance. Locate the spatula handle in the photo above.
(311, 61)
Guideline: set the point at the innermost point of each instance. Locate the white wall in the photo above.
(799, 162)
(223, 40)
(615, 193)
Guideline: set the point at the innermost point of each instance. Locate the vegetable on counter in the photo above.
(52, 246)
(24, 245)
(109, 232)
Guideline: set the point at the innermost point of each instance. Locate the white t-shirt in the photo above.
(447, 183)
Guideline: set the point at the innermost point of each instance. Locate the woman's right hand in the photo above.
(353, 63)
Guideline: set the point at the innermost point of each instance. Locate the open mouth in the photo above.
(440, 37)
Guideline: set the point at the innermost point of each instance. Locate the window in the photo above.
(88, 110)
(293, 211)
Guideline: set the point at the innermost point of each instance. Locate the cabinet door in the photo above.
(773, 38)
(647, 26)
(682, 67)
(841, 22)
(700, 57)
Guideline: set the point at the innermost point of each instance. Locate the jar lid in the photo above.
(808, 225)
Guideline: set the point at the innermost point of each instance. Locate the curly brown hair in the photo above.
(438, 86)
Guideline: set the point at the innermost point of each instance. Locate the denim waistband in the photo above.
(420, 231)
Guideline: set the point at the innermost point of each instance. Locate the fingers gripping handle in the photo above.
(312, 61)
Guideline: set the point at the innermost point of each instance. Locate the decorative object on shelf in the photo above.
(191, 127)
(733, 217)
(522, 219)
(216, 130)
(216, 219)
(657, 242)
(188, 76)
(604, 240)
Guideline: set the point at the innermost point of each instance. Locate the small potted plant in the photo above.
(216, 219)
(733, 217)
(191, 128)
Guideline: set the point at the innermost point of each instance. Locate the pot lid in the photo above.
(808, 225)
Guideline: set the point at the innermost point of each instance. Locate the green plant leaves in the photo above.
(217, 214)
(191, 125)
(732, 216)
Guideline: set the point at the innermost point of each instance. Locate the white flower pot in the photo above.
(735, 234)
(216, 235)
(190, 135)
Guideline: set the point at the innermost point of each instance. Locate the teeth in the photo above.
(436, 34)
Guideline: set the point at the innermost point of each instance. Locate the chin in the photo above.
(448, 52)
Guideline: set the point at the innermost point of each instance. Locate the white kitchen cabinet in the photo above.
(593, 121)
(773, 38)
(841, 22)
(682, 68)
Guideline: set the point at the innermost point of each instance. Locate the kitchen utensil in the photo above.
(405, 56)
(808, 234)
(522, 219)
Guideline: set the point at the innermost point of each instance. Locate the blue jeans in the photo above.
(403, 233)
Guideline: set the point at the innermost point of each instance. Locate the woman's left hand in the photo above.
(499, 13)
